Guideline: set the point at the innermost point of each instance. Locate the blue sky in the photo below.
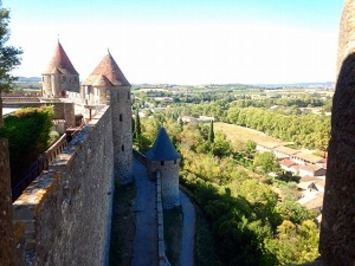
(186, 41)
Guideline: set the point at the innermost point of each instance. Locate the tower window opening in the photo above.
(120, 118)
(162, 163)
(122, 147)
(174, 161)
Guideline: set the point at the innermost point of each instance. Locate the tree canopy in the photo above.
(9, 55)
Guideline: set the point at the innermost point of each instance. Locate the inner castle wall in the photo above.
(67, 211)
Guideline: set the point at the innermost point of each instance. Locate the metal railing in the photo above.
(42, 163)
(38, 166)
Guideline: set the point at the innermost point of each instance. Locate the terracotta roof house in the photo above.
(286, 164)
(284, 152)
(311, 170)
(267, 146)
(303, 158)
(315, 203)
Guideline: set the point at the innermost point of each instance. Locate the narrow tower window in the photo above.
(162, 163)
(120, 117)
(129, 95)
(122, 148)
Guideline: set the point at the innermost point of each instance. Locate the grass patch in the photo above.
(123, 226)
(173, 234)
(238, 136)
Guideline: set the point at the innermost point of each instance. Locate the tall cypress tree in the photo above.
(137, 129)
(211, 133)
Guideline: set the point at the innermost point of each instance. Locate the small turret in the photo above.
(164, 159)
(60, 75)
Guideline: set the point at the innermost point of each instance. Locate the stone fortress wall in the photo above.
(337, 239)
(64, 216)
(67, 211)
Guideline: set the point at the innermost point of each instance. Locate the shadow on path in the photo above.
(188, 231)
(145, 241)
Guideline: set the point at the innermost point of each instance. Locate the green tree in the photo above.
(211, 133)
(293, 211)
(221, 146)
(266, 162)
(9, 56)
(137, 130)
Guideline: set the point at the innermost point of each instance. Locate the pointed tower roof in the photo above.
(110, 70)
(60, 62)
(163, 149)
(102, 81)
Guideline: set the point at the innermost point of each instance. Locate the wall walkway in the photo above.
(145, 241)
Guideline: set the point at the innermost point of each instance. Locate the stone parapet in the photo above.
(67, 210)
(162, 259)
(7, 243)
(346, 33)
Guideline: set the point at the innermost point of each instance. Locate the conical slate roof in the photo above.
(110, 70)
(163, 149)
(60, 63)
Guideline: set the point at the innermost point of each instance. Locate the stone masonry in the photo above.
(164, 161)
(107, 82)
(67, 211)
(337, 240)
(64, 216)
(6, 227)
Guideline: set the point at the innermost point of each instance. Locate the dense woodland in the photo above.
(253, 218)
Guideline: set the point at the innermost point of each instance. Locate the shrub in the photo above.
(28, 134)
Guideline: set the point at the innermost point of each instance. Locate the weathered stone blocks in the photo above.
(67, 213)
(337, 242)
(7, 250)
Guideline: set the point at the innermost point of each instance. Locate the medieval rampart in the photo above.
(337, 239)
(67, 211)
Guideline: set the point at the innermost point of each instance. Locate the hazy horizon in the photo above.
(184, 42)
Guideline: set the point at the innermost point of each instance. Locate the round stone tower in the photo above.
(108, 85)
(164, 160)
(60, 75)
(337, 236)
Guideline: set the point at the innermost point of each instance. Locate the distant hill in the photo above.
(28, 80)
(328, 84)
